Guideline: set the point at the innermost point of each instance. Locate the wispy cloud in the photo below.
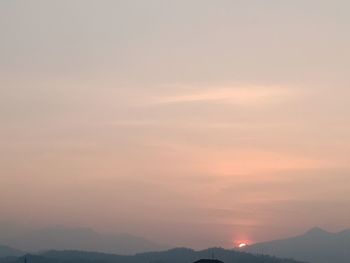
(241, 96)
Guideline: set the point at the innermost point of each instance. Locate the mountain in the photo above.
(85, 239)
(6, 251)
(315, 246)
(179, 255)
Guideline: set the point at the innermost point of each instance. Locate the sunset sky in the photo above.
(188, 122)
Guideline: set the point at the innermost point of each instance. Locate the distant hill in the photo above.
(315, 246)
(85, 239)
(180, 255)
(6, 251)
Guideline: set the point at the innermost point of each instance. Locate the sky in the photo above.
(191, 123)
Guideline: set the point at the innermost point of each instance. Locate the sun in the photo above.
(242, 245)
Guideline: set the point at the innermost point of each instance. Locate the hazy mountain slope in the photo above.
(315, 246)
(181, 255)
(6, 251)
(82, 239)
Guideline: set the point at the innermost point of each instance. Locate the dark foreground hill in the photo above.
(315, 246)
(180, 255)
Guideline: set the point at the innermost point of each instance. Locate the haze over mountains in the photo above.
(6, 251)
(63, 238)
(59, 243)
(178, 255)
(315, 246)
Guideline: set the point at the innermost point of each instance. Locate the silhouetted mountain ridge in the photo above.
(6, 251)
(317, 231)
(316, 246)
(84, 239)
(177, 255)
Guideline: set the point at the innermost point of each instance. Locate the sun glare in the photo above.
(242, 245)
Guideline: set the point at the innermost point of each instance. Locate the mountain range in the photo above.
(6, 251)
(85, 239)
(314, 246)
(179, 255)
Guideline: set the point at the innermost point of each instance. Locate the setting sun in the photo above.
(242, 245)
